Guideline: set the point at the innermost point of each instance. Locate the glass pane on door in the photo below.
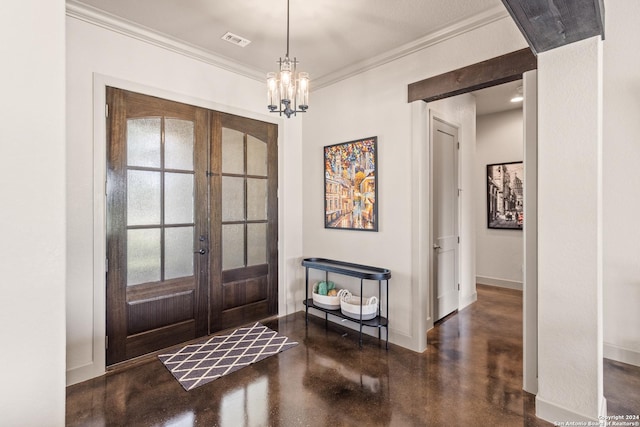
(178, 144)
(178, 198)
(232, 151)
(232, 198)
(256, 244)
(256, 156)
(143, 256)
(143, 142)
(256, 199)
(232, 246)
(178, 244)
(143, 197)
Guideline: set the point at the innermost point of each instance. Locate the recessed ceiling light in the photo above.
(518, 97)
(235, 39)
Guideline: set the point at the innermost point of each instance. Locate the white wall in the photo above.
(95, 57)
(375, 103)
(621, 182)
(570, 232)
(32, 215)
(499, 253)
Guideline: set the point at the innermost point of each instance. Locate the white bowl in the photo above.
(350, 306)
(326, 302)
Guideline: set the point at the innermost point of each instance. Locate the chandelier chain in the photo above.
(287, 55)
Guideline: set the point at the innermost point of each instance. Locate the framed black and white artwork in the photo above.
(505, 201)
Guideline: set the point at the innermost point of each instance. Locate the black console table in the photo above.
(362, 272)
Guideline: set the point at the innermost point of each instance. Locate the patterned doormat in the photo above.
(198, 364)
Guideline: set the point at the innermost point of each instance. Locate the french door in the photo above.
(244, 222)
(191, 223)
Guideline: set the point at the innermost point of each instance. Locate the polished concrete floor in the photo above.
(471, 375)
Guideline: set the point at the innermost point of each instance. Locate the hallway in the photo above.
(470, 375)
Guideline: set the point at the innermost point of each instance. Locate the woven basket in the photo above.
(350, 306)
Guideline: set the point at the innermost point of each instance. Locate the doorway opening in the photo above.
(499, 190)
(506, 68)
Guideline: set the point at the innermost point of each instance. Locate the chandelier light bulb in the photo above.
(303, 88)
(272, 91)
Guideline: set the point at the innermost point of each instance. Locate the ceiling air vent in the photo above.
(236, 39)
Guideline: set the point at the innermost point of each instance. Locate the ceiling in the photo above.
(496, 99)
(332, 39)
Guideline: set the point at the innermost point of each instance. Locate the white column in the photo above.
(570, 233)
(32, 212)
(530, 279)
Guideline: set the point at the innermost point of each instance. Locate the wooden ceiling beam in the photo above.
(547, 24)
(503, 69)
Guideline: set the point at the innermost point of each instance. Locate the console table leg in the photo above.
(306, 295)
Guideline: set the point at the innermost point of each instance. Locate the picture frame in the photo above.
(350, 185)
(505, 198)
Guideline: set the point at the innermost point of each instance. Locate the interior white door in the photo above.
(445, 218)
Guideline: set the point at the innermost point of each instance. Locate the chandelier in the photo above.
(288, 93)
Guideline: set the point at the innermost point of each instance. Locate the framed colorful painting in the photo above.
(350, 185)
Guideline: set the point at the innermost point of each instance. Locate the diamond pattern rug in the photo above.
(198, 364)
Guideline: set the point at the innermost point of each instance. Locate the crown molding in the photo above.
(456, 29)
(131, 29)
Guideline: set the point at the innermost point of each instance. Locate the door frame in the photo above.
(97, 365)
(492, 72)
(433, 290)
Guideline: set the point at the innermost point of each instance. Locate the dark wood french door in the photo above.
(244, 220)
(191, 223)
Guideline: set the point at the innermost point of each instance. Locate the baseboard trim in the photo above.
(84, 373)
(621, 354)
(501, 283)
(559, 415)
(467, 300)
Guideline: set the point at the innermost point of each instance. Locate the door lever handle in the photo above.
(201, 252)
(436, 246)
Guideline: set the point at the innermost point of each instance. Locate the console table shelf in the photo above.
(362, 272)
